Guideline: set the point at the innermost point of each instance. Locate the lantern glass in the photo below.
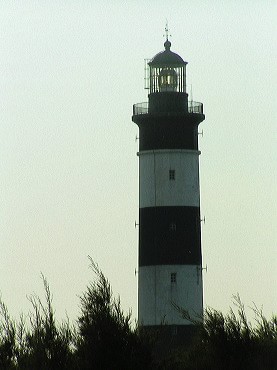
(168, 80)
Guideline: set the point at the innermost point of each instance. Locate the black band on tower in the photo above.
(168, 132)
(169, 236)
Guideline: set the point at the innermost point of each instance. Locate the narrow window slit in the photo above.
(171, 174)
(173, 277)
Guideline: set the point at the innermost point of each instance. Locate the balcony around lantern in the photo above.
(143, 108)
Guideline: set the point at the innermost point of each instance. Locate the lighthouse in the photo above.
(170, 258)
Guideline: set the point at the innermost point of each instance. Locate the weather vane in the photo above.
(167, 31)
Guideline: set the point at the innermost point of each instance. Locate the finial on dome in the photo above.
(167, 43)
(166, 30)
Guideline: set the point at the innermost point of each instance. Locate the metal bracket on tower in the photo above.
(205, 268)
(137, 138)
(136, 224)
(203, 220)
(200, 133)
(136, 272)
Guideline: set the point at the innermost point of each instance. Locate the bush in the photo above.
(230, 342)
(38, 344)
(105, 339)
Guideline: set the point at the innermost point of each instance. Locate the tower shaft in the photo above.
(170, 259)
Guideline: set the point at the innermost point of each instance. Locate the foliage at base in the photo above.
(105, 339)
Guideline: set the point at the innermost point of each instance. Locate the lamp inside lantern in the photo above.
(168, 80)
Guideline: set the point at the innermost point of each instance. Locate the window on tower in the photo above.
(172, 226)
(171, 174)
(173, 277)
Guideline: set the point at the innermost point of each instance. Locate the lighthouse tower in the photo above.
(170, 261)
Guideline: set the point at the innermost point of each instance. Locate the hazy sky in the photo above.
(70, 72)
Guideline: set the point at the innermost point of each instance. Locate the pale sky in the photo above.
(70, 73)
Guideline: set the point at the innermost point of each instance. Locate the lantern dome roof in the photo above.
(167, 57)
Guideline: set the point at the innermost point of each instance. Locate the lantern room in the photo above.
(166, 80)
(167, 72)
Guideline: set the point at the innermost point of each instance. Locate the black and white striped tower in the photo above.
(170, 261)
